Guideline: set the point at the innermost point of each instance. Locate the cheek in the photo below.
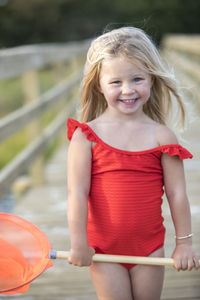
(146, 91)
(110, 92)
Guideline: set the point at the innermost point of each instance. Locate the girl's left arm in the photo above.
(175, 189)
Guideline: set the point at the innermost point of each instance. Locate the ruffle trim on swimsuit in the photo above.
(170, 149)
(72, 125)
(173, 150)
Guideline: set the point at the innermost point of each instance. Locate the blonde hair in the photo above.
(134, 44)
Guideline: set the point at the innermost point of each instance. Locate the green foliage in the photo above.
(11, 92)
(42, 21)
(47, 78)
(12, 98)
(12, 146)
(52, 148)
(38, 21)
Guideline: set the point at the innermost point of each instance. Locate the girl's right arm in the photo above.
(79, 174)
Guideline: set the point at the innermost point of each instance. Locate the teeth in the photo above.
(129, 101)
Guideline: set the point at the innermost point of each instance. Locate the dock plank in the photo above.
(45, 206)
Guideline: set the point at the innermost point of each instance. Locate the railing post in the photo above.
(31, 89)
(63, 71)
(24, 62)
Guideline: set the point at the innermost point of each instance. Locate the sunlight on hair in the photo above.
(133, 43)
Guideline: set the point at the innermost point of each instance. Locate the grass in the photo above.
(11, 99)
(12, 146)
(11, 96)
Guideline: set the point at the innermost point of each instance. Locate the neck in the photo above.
(112, 115)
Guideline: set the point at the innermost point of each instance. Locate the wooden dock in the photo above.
(186, 285)
(45, 206)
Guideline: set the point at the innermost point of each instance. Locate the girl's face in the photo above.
(124, 85)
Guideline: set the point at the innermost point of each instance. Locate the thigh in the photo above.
(147, 281)
(111, 281)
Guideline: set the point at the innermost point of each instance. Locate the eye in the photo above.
(137, 79)
(116, 82)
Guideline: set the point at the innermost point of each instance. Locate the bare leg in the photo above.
(111, 281)
(147, 281)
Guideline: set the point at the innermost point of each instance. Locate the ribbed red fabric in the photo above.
(124, 204)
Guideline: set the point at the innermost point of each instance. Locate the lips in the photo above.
(128, 101)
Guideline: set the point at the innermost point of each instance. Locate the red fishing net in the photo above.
(24, 251)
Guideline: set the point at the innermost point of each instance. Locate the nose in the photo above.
(128, 88)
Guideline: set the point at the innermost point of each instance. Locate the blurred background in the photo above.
(43, 45)
(46, 21)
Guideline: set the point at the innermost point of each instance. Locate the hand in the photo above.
(81, 257)
(185, 258)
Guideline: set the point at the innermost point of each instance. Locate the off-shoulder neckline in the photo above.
(97, 138)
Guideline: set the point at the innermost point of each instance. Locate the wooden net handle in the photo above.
(156, 261)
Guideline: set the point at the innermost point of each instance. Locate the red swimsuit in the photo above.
(124, 204)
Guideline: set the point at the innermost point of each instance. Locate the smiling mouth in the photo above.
(128, 100)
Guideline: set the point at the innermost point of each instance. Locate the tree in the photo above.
(43, 21)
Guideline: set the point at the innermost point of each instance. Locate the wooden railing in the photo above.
(25, 62)
(183, 51)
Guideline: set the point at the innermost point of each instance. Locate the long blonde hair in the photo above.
(134, 44)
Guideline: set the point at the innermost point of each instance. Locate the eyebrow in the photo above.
(132, 75)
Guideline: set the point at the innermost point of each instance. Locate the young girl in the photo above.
(120, 158)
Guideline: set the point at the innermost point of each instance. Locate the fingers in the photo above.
(81, 258)
(196, 262)
(177, 264)
(92, 251)
(186, 263)
(69, 260)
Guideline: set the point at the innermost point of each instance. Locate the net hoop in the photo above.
(24, 253)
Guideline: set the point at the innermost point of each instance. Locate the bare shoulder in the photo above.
(79, 160)
(165, 135)
(79, 139)
(79, 157)
(95, 123)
